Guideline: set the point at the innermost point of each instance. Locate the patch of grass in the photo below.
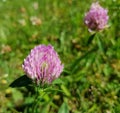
(94, 85)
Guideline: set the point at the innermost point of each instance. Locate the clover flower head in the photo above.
(43, 65)
(97, 18)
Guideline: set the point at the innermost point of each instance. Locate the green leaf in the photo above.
(65, 90)
(64, 108)
(91, 60)
(57, 81)
(21, 81)
(66, 72)
(90, 39)
(52, 90)
(117, 108)
(76, 64)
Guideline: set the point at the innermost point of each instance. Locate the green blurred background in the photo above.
(92, 87)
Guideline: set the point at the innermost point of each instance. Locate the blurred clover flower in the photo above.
(43, 65)
(96, 19)
(35, 21)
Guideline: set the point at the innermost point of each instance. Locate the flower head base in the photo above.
(43, 64)
(96, 19)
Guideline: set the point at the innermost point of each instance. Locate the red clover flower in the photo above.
(96, 19)
(43, 65)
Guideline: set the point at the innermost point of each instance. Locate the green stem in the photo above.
(100, 44)
(35, 100)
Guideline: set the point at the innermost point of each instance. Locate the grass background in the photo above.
(91, 84)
